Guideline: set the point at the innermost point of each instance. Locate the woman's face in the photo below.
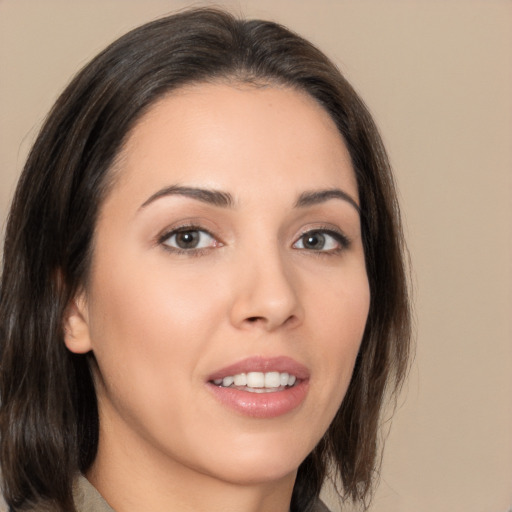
(227, 257)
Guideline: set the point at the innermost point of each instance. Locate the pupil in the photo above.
(187, 239)
(314, 241)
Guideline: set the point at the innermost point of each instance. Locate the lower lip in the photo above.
(261, 405)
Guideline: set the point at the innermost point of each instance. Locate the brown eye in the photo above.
(189, 239)
(315, 241)
(321, 241)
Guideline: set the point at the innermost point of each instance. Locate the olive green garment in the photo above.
(87, 498)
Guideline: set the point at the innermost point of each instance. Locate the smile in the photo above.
(260, 387)
(258, 382)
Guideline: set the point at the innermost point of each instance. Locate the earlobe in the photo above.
(76, 327)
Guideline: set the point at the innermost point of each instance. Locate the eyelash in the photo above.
(340, 239)
(338, 236)
(187, 229)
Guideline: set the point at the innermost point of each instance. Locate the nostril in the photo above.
(265, 321)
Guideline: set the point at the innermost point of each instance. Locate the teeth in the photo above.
(257, 382)
(240, 379)
(227, 381)
(272, 380)
(283, 379)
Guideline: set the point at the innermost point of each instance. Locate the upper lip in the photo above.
(280, 364)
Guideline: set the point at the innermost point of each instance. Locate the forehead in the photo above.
(236, 137)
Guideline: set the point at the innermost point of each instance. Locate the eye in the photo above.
(321, 240)
(188, 239)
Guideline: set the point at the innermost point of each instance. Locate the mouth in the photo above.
(258, 382)
(261, 387)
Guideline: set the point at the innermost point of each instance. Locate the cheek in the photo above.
(148, 332)
(342, 315)
(149, 324)
(342, 304)
(148, 293)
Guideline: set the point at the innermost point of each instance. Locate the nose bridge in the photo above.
(267, 289)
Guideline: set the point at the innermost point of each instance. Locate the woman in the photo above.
(203, 300)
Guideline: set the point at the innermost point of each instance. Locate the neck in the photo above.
(131, 477)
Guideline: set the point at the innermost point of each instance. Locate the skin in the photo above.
(159, 322)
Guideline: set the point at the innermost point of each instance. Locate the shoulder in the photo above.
(27, 508)
(42, 507)
(319, 506)
(87, 498)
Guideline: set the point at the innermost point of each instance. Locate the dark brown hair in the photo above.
(49, 417)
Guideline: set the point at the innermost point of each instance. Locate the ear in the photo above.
(76, 326)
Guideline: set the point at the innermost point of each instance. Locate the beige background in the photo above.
(438, 77)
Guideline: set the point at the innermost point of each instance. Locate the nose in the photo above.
(266, 293)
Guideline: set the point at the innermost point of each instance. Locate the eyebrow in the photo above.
(225, 199)
(214, 197)
(321, 196)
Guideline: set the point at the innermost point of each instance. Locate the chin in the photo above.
(258, 473)
(257, 464)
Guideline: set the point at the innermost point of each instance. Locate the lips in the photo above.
(260, 390)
